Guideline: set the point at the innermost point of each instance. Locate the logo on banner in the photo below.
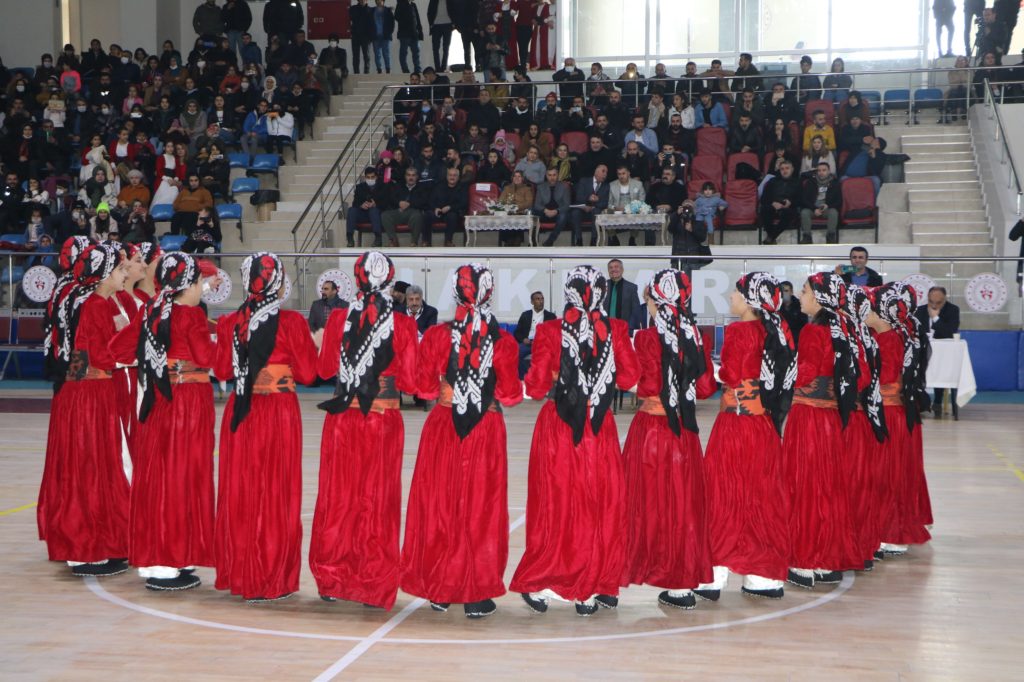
(216, 296)
(38, 283)
(986, 293)
(921, 283)
(346, 289)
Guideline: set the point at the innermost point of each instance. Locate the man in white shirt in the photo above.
(526, 329)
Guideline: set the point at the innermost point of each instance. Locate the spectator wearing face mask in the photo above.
(280, 125)
(332, 67)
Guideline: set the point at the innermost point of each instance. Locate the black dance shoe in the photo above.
(687, 602)
(708, 595)
(262, 600)
(328, 598)
(440, 607)
(186, 571)
(536, 605)
(480, 609)
(829, 578)
(869, 565)
(606, 601)
(804, 581)
(111, 567)
(879, 555)
(585, 610)
(182, 582)
(775, 593)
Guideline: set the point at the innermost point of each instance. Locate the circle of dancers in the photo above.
(814, 464)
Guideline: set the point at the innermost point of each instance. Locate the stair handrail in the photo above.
(1000, 136)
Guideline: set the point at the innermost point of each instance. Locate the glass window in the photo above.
(795, 24)
(875, 23)
(610, 27)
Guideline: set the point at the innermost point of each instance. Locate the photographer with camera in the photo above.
(206, 235)
(858, 272)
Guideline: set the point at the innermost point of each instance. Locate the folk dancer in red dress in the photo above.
(83, 498)
(904, 364)
(813, 444)
(666, 521)
(456, 526)
(258, 534)
(354, 552)
(866, 432)
(748, 501)
(575, 509)
(171, 520)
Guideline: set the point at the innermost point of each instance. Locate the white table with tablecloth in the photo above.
(950, 367)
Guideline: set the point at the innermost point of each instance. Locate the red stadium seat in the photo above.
(576, 142)
(742, 212)
(859, 208)
(738, 158)
(512, 140)
(796, 139)
(711, 141)
(479, 194)
(728, 112)
(706, 167)
(766, 163)
(824, 105)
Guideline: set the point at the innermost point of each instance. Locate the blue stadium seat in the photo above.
(231, 212)
(898, 99)
(172, 242)
(874, 100)
(13, 237)
(28, 71)
(238, 160)
(161, 213)
(15, 275)
(244, 186)
(927, 98)
(264, 163)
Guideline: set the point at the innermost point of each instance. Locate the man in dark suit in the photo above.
(592, 193)
(640, 318)
(939, 319)
(424, 314)
(526, 328)
(329, 301)
(858, 271)
(551, 203)
(791, 312)
(622, 294)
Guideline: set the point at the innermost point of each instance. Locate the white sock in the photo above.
(756, 582)
(159, 572)
(679, 593)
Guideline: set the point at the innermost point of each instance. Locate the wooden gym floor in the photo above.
(949, 610)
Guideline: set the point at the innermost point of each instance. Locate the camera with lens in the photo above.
(687, 214)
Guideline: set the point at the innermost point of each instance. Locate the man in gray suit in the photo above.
(551, 203)
(593, 194)
(622, 294)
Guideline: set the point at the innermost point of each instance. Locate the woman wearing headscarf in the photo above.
(456, 526)
(905, 505)
(814, 442)
(748, 509)
(576, 505)
(83, 499)
(171, 519)
(266, 350)
(666, 539)
(867, 429)
(354, 553)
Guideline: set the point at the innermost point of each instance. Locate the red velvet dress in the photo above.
(126, 379)
(861, 470)
(171, 521)
(354, 552)
(666, 521)
(748, 499)
(258, 533)
(456, 524)
(83, 499)
(814, 445)
(576, 504)
(901, 521)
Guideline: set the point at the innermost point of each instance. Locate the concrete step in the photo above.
(916, 176)
(912, 148)
(949, 228)
(945, 185)
(928, 238)
(950, 248)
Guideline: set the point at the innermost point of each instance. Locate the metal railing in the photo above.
(1006, 154)
(324, 215)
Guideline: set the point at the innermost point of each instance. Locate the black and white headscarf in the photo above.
(56, 344)
(858, 306)
(586, 376)
(175, 273)
(830, 293)
(895, 303)
(763, 292)
(682, 348)
(474, 332)
(366, 343)
(255, 332)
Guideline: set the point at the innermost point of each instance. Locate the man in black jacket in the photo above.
(410, 33)
(780, 203)
(448, 204)
(360, 17)
(597, 154)
(371, 198)
(283, 18)
(592, 193)
(418, 309)
(439, 17)
(618, 112)
(858, 272)
(745, 136)
(791, 312)
(526, 329)
(780, 103)
(939, 319)
(237, 18)
(332, 67)
(485, 115)
(409, 199)
(571, 80)
(437, 85)
(821, 198)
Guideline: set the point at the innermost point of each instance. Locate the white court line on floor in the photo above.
(381, 632)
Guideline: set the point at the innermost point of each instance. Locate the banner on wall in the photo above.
(324, 17)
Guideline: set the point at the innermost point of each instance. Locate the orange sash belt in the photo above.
(445, 398)
(274, 379)
(79, 368)
(819, 393)
(744, 399)
(186, 372)
(892, 394)
(387, 397)
(652, 406)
